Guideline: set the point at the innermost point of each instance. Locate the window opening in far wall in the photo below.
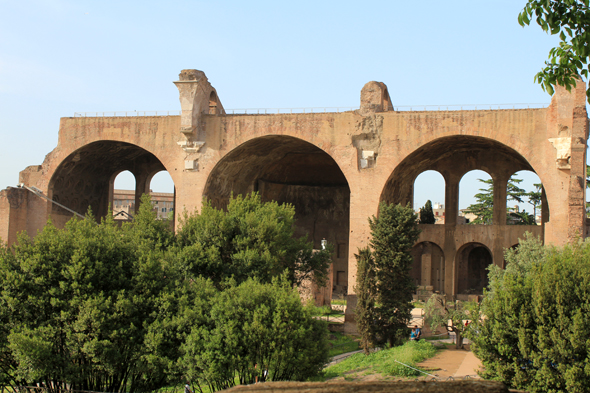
(123, 202)
(430, 186)
(476, 197)
(524, 201)
(162, 195)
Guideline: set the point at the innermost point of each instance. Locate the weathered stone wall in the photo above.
(13, 213)
(336, 167)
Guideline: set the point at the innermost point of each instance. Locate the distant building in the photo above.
(124, 204)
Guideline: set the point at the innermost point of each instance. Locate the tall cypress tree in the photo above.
(426, 214)
(394, 233)
(365, 290)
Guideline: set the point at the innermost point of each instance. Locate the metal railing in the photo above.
(127, 113)
(270, 111)
(468, 107)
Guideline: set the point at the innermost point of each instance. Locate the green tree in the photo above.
(534, 198)
(256, 327)
(251, 239)
(366, 296)
(570, 19)
(393, 234)
(484, 206)
(79, 302)
(533, 330)
(439, 313)
(426, 214)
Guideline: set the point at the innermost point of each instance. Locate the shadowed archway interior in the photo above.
(289, 170)
(85, 178)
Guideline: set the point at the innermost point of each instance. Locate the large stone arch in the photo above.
(290, 170)
(452, 156)
(85, 178)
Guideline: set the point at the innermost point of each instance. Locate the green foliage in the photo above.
(535, 198)
(250, 239)
(79, 303)
(484, 206)
(384, 361)
(452, 316)
(99, 307)
(366, 287)
(255, 327)
(383, 277)
(570, 19)
(426, 214)
(534, 329)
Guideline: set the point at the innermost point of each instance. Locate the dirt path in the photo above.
(456, 363)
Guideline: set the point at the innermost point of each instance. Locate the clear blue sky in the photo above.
(58, 57)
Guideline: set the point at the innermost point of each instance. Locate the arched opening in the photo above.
(86, 178)
(428, 269)
(525, 200)
(476, 198)
(213, 103)
(289, 170)
(472, 262)
(123, 196)
(452, 157)
(163, 196)
(430, 186)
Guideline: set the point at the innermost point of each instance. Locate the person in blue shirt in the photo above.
(416, 333)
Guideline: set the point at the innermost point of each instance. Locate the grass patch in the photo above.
(323, 311)
(436, 337)
(383, 362)
(339, 302)
(418, 304)
(342, 343)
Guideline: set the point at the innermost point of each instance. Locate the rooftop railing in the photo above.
(267, 111)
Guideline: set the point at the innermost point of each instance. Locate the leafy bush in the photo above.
(251, 239)
(534, 327)
(99, 307)
(255, 327)
(76, 306)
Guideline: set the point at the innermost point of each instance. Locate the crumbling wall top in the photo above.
(375, 98)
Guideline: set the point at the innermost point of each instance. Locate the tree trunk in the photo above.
(458, 340)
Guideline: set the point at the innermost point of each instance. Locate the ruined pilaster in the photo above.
(13, 213)
(197, 98)
(567, 122)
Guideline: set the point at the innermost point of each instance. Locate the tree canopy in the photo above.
(533, 328)
(250, 239)
(570, 19)
(385, 276)
(133, 308)
(426, 214)
(439, 313)
(483, 208)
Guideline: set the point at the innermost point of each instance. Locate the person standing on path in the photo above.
(187, 388)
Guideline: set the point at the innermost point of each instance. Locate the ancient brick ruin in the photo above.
(334, 167)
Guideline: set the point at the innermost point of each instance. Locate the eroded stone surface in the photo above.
(334, 167)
